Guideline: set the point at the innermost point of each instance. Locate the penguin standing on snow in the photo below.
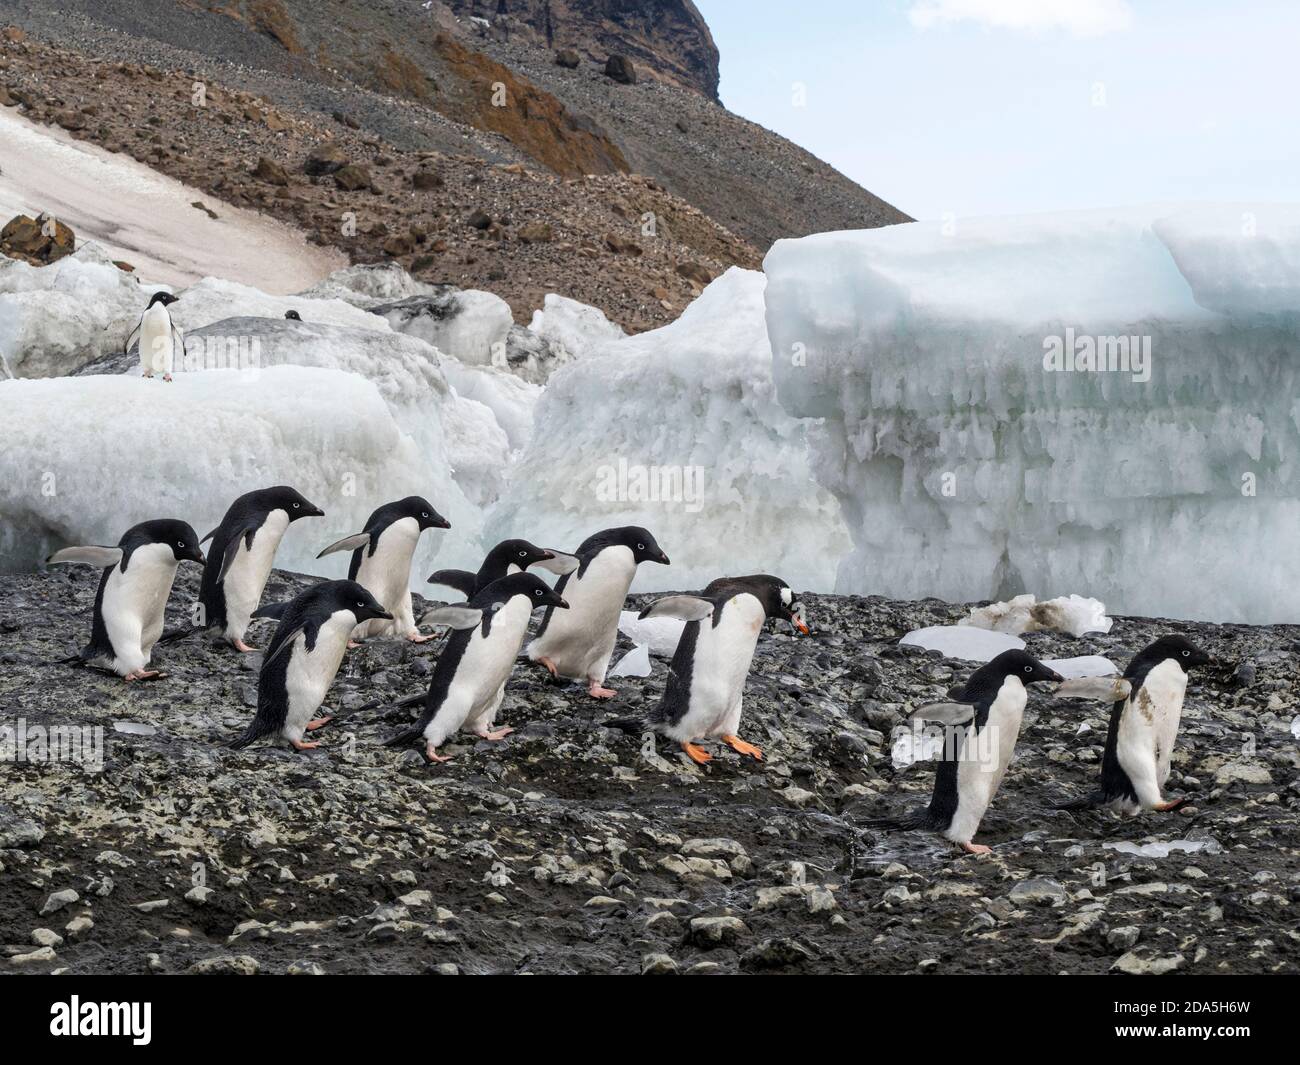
(1143, 730)
(133, 593)
(983, 727)
(303, 658)
(160, 339)
(706, 681)
(509, 556)
(578, 644)
(469, 680)
(243, 550)
(381, 561)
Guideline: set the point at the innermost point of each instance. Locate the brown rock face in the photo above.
(352, 177)
(620, 69)
(325, 160)
(270, 172)
(38, 240)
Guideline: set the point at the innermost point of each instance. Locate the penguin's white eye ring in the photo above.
(424, 513)
(181, 543)
(523, 554)
(360, 603)
(1029, 669)
(640, 547)
(1187, 654)
(295, 506)
(537, 591)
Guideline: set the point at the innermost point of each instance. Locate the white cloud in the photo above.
(1083, 18)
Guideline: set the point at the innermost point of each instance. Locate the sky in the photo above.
(951, 108)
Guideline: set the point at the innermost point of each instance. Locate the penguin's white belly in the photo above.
(156, 341)
(720, 665)
(246, 578)
(308, 677)
(1148, 730)
(581, 640)
(481, 674)
(134, 603)
(387, 576)
(983, 760)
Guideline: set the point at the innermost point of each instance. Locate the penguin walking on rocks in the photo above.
(706, 681)
(381, 561)
(243, 551)
(509, 556)
(469, 679)
(577, 645)
(160, 340)
(1143, 730)
(303, 658)
(133, 593)
(982, 727)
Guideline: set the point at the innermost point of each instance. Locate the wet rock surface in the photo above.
(569, 847)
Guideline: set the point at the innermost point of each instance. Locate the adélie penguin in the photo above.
(982, 726)
(509, 556)
(381, 561)
(577, 644)
(706, 680)
(242, 553)
(160, 340)
(1143, 730)
(303, 658)
(133, 592)
(469, 679)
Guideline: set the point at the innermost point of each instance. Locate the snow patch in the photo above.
(1074, 614)
(963, 641)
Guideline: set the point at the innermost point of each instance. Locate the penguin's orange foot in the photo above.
(497, 734)
(550, 666)
(975, 848)
(432, 754)
(241, 646)
(353, 645)
(319, 722)
(696, 754)
(304, 746)
(142, 674)
(416, 637)
(596, 691)
(741, 747)
(1172, 804)
(167, 377)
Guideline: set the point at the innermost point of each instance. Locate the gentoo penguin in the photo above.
(469, 680)
(293, 316)
(509, 556)
(983, 725)
(578, 644)
(303, 657)
(243, 549)
(160, 339)
(706, 681)
(133, 591)
(1143, 730)
(381, 561)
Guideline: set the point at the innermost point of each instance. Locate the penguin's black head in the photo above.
(165, 298)
(644, 547)
(349, 595)
(422, 511)
(519, 553)
(293, 316)
(291, 501)
(1024, 666)
(539, 593)
(778, 598)
(178, 535)
(1181, 650)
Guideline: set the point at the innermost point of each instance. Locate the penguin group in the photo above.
(703, 696)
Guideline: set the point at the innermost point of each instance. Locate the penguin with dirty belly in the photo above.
(1143, 730)
(982, 727)
(706, 681)
(577, 644)
(303, 658)
(133, 593)
(469, 680)
(161, 342)
(243, 551)
(509, 556)
(381, 562)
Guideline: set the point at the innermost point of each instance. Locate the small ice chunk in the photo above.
(1164, 848)
(134, 728)
(1083, 666)
(659, 635)
(1075, 614)
(917, 744)
(636, 663)
(966, 642)
(1295, 726)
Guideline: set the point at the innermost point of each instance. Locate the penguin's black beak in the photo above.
(663, 559)
(439, 522)
(559, 602)
(545, 555)
(195, 555)
(1052, 676)
(314, 512)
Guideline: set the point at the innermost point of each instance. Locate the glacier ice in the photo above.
(963, 641)
(970, 467)
(659, 635)
(1074, 614)
(579, 329)
(1082, 666)
(636, 663)
(468, 324)
(678, 430)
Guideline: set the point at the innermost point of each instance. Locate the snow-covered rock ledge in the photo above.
(976, 455)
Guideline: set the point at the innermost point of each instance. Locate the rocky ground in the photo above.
(573, 848)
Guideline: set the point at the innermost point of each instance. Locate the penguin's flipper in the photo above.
(946, 713)
(1102, 689)
(210, 535)
(126, 347)
(686, 607)
(348, 543)
(559, 563)
(462, 580)
(101, 557)
(271, 610)
(308, 629)
(243, 535)
(454, 617)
